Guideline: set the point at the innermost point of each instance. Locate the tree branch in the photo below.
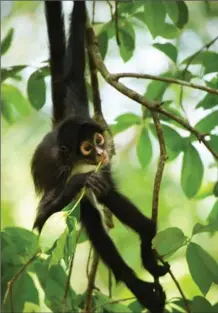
(151, 105)
(116, 20)
(160, 168)
(91, 284)
(167, 80)
(9, 290)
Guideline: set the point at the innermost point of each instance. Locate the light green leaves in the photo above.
(124, 121)
(203, 268)
(36, 90)
(192, 171)
(154, 14)
(168, 240)
(6, 42)
(167, 48)
(144, 148)
(14, 104)
(208, 123)
(53, 229)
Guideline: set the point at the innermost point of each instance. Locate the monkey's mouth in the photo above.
(103, 158)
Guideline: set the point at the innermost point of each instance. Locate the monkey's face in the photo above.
(94, 149)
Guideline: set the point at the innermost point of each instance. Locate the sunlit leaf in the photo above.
(36, 90)
(167, 48)
(58, 251)
(124, 121)
(206, 190)
(54, 227)
(144, 148)
(203, 268)
(6, 42)
(168, 240)
(208, 123)
(169, 31)
(154, 16)
(191, 176)
(14, 103)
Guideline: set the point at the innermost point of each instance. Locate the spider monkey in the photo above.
(65, 160)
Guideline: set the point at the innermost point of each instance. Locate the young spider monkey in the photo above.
(65, 160)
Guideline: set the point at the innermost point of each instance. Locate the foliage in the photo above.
(58, 240)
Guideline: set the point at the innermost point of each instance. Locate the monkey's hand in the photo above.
(99, 184)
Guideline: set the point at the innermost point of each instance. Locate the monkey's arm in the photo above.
(149, 294)
(128, 214)
(56, 200)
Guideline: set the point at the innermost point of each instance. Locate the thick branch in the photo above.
(167, 80)
(151, 105)
(160, 168)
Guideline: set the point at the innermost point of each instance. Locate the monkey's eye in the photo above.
(99, 139)
(86, 148)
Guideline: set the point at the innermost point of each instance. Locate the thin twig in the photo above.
(91, 283)
(88, 261)
(114, 302)
(167, 80)
(116, 20)
(151, 105)
(67, 286)
(9, 290)
(160, 168)
(181, 291)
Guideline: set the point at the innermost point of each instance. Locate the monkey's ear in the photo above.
(67, 135)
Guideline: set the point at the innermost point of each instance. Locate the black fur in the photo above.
(59, 153)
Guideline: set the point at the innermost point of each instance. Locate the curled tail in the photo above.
(76, 100)
(56, 38)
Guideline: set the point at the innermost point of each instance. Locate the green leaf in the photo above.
(124, 121)
(206, 190)
(174, 142)
(103, 42)
(154, 16)
(155, 90)
(215, 189)
(213, 216)
(208, 59)
(6, 42)
(169, 31)
(36, 90)
(144, 148)
(183, 14)
(129, 7)
(210, 100)
(54, 291)
(203, 268)
(172, 10)
(58, 251)
(199, 228)
(201, 305)
(135, 306)
(208, 123)
(127, 39)
(19, 242)
(14, 100)
(52, 230)
(167, 48)
(191, 177)
(71, 240)
(168, 240)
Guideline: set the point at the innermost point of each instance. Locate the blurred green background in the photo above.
(20, 137)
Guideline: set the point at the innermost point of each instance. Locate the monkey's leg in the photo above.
(149, 294)
(128, 214)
